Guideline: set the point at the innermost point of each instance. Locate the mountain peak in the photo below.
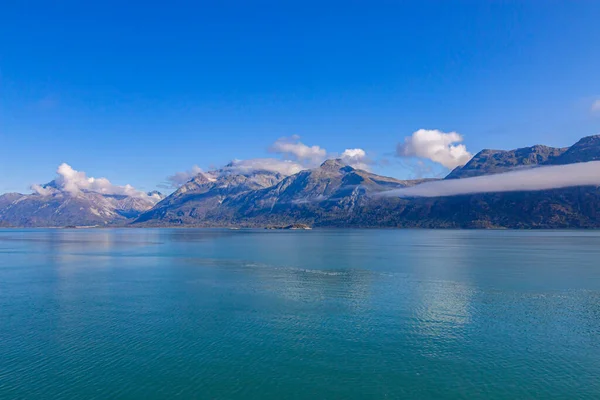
(202, 178)
(586, 149)
(589, 140)
(489, 161)
(156, 193)
(334, 163)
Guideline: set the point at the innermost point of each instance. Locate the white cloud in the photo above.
(298, 151)
(284, 167)
(356, 158)
(436, 146)
(312, 156)
(296, 156)
(541, 178)
(74, 182)
(42, 191)
(180, 178)
(596, 106)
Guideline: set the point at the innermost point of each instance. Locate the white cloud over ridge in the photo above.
(181, 178)
(356, 158)
(297, 156)
(437, 146)
(42, 191)
(540, 178)
(284, 167)
(293, 148)
(75, 182)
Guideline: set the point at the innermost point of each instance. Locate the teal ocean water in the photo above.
(322, 314)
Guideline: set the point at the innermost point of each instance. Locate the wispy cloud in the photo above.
(284, 167)
(541, 178)
(596, 106)
(41, 190)
(437, 146)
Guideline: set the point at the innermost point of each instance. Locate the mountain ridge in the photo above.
(333, 182)
(61, 208)
(489, 161)
(331, 195)
(335, 194)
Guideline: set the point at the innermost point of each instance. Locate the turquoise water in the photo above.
(322, 314)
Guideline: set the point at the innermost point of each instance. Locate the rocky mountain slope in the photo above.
(198, 199)
(586, 149)
(577, 207)
(338, 195)
(329, 192)
(488, 162)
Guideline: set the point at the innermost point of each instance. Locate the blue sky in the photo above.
(138, 91)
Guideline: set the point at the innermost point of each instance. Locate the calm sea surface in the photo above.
(322, 314)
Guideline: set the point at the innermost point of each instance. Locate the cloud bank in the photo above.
(541, 178)
(436, 146)
(75, 182)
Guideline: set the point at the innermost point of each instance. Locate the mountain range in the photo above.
(58, 208)
(334, 195)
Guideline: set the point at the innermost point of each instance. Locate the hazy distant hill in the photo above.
(61, 208)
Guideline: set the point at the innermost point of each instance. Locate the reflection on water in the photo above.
(160, 313)
(446, 296)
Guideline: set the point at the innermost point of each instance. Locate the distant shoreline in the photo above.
(319, 228)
